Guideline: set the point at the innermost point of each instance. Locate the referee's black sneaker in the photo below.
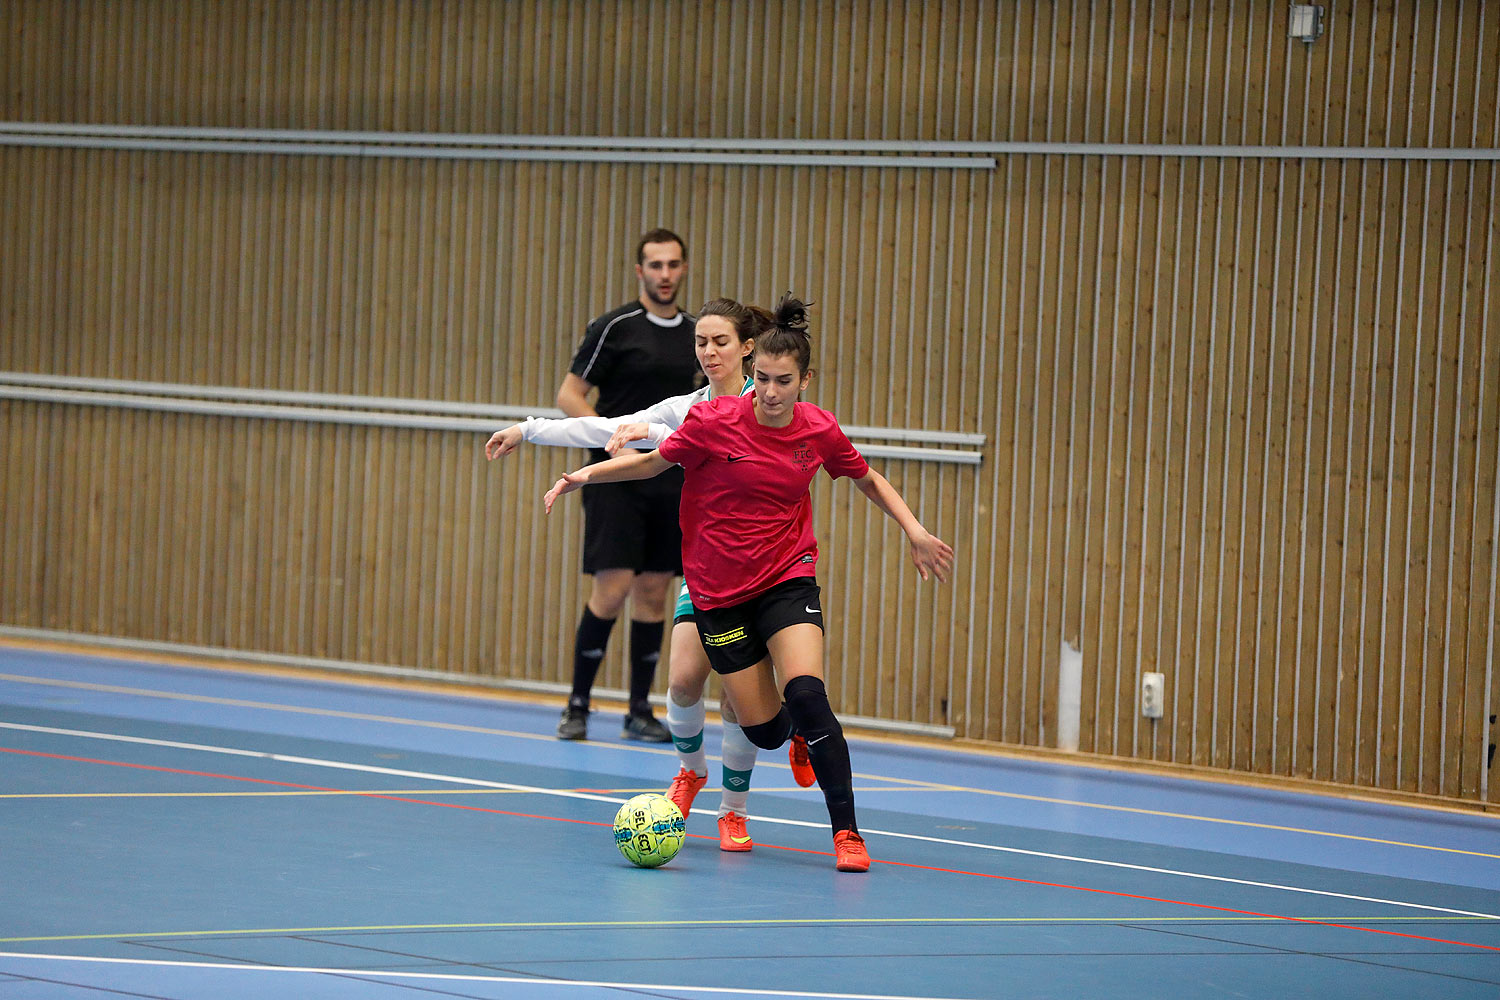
(644, 727)
(574, 724)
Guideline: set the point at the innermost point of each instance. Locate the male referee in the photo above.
(635, 355)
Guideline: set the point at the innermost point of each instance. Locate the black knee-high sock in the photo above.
(645, 650)
(588, 652)
(807, 702)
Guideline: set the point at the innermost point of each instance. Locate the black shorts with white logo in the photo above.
(735, 637)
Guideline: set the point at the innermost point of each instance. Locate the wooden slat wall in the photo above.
(1242, 413)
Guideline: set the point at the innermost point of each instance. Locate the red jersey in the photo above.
(746, 514)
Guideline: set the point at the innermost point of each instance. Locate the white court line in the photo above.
(562, 793)
(455, 977)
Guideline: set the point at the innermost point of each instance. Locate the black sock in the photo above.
(588, 652)
(645, 650)
(827, 750)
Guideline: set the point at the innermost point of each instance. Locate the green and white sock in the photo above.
(685, 723)
(739, 761)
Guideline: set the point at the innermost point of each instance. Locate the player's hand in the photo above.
(623, 435)
(503, 442)
(932, 555)
(569, 483)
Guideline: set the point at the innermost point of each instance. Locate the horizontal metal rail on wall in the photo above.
(459, 147)
(379, 411)
(241, 394)
(674, 149)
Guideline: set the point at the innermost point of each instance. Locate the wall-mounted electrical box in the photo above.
(1153, 694)
(1306, 23)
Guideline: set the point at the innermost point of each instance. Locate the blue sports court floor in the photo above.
(186, 832)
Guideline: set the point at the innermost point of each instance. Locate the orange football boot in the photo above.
(684, 788)
(849, 848)
(732, 833)
(802, 769)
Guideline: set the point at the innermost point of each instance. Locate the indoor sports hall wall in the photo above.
(1229, 414)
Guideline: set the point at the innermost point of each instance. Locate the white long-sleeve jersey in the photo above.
(661, 419)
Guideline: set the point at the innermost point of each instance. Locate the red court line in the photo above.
(292, 784)
(777, 847)
(1202, 906)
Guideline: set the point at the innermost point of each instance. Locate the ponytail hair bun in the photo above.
(791, 314)
(788, 333)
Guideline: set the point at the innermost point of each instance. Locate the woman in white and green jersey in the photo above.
(723, 340)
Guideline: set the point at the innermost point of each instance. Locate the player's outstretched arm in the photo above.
(503, 442)
(642, 431)
(931, 554)
(626, 433)
(647, 429)
(642, 465)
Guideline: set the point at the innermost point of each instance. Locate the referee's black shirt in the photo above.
(635, 361)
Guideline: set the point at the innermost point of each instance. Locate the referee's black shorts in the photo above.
(633, 526)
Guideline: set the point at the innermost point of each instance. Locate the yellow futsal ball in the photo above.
(649, 830)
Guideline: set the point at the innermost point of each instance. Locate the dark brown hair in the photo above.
(748, 321)
(658, 235)
(788, 333)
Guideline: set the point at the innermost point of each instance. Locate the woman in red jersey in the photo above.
(723, 340)
(750, 558)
